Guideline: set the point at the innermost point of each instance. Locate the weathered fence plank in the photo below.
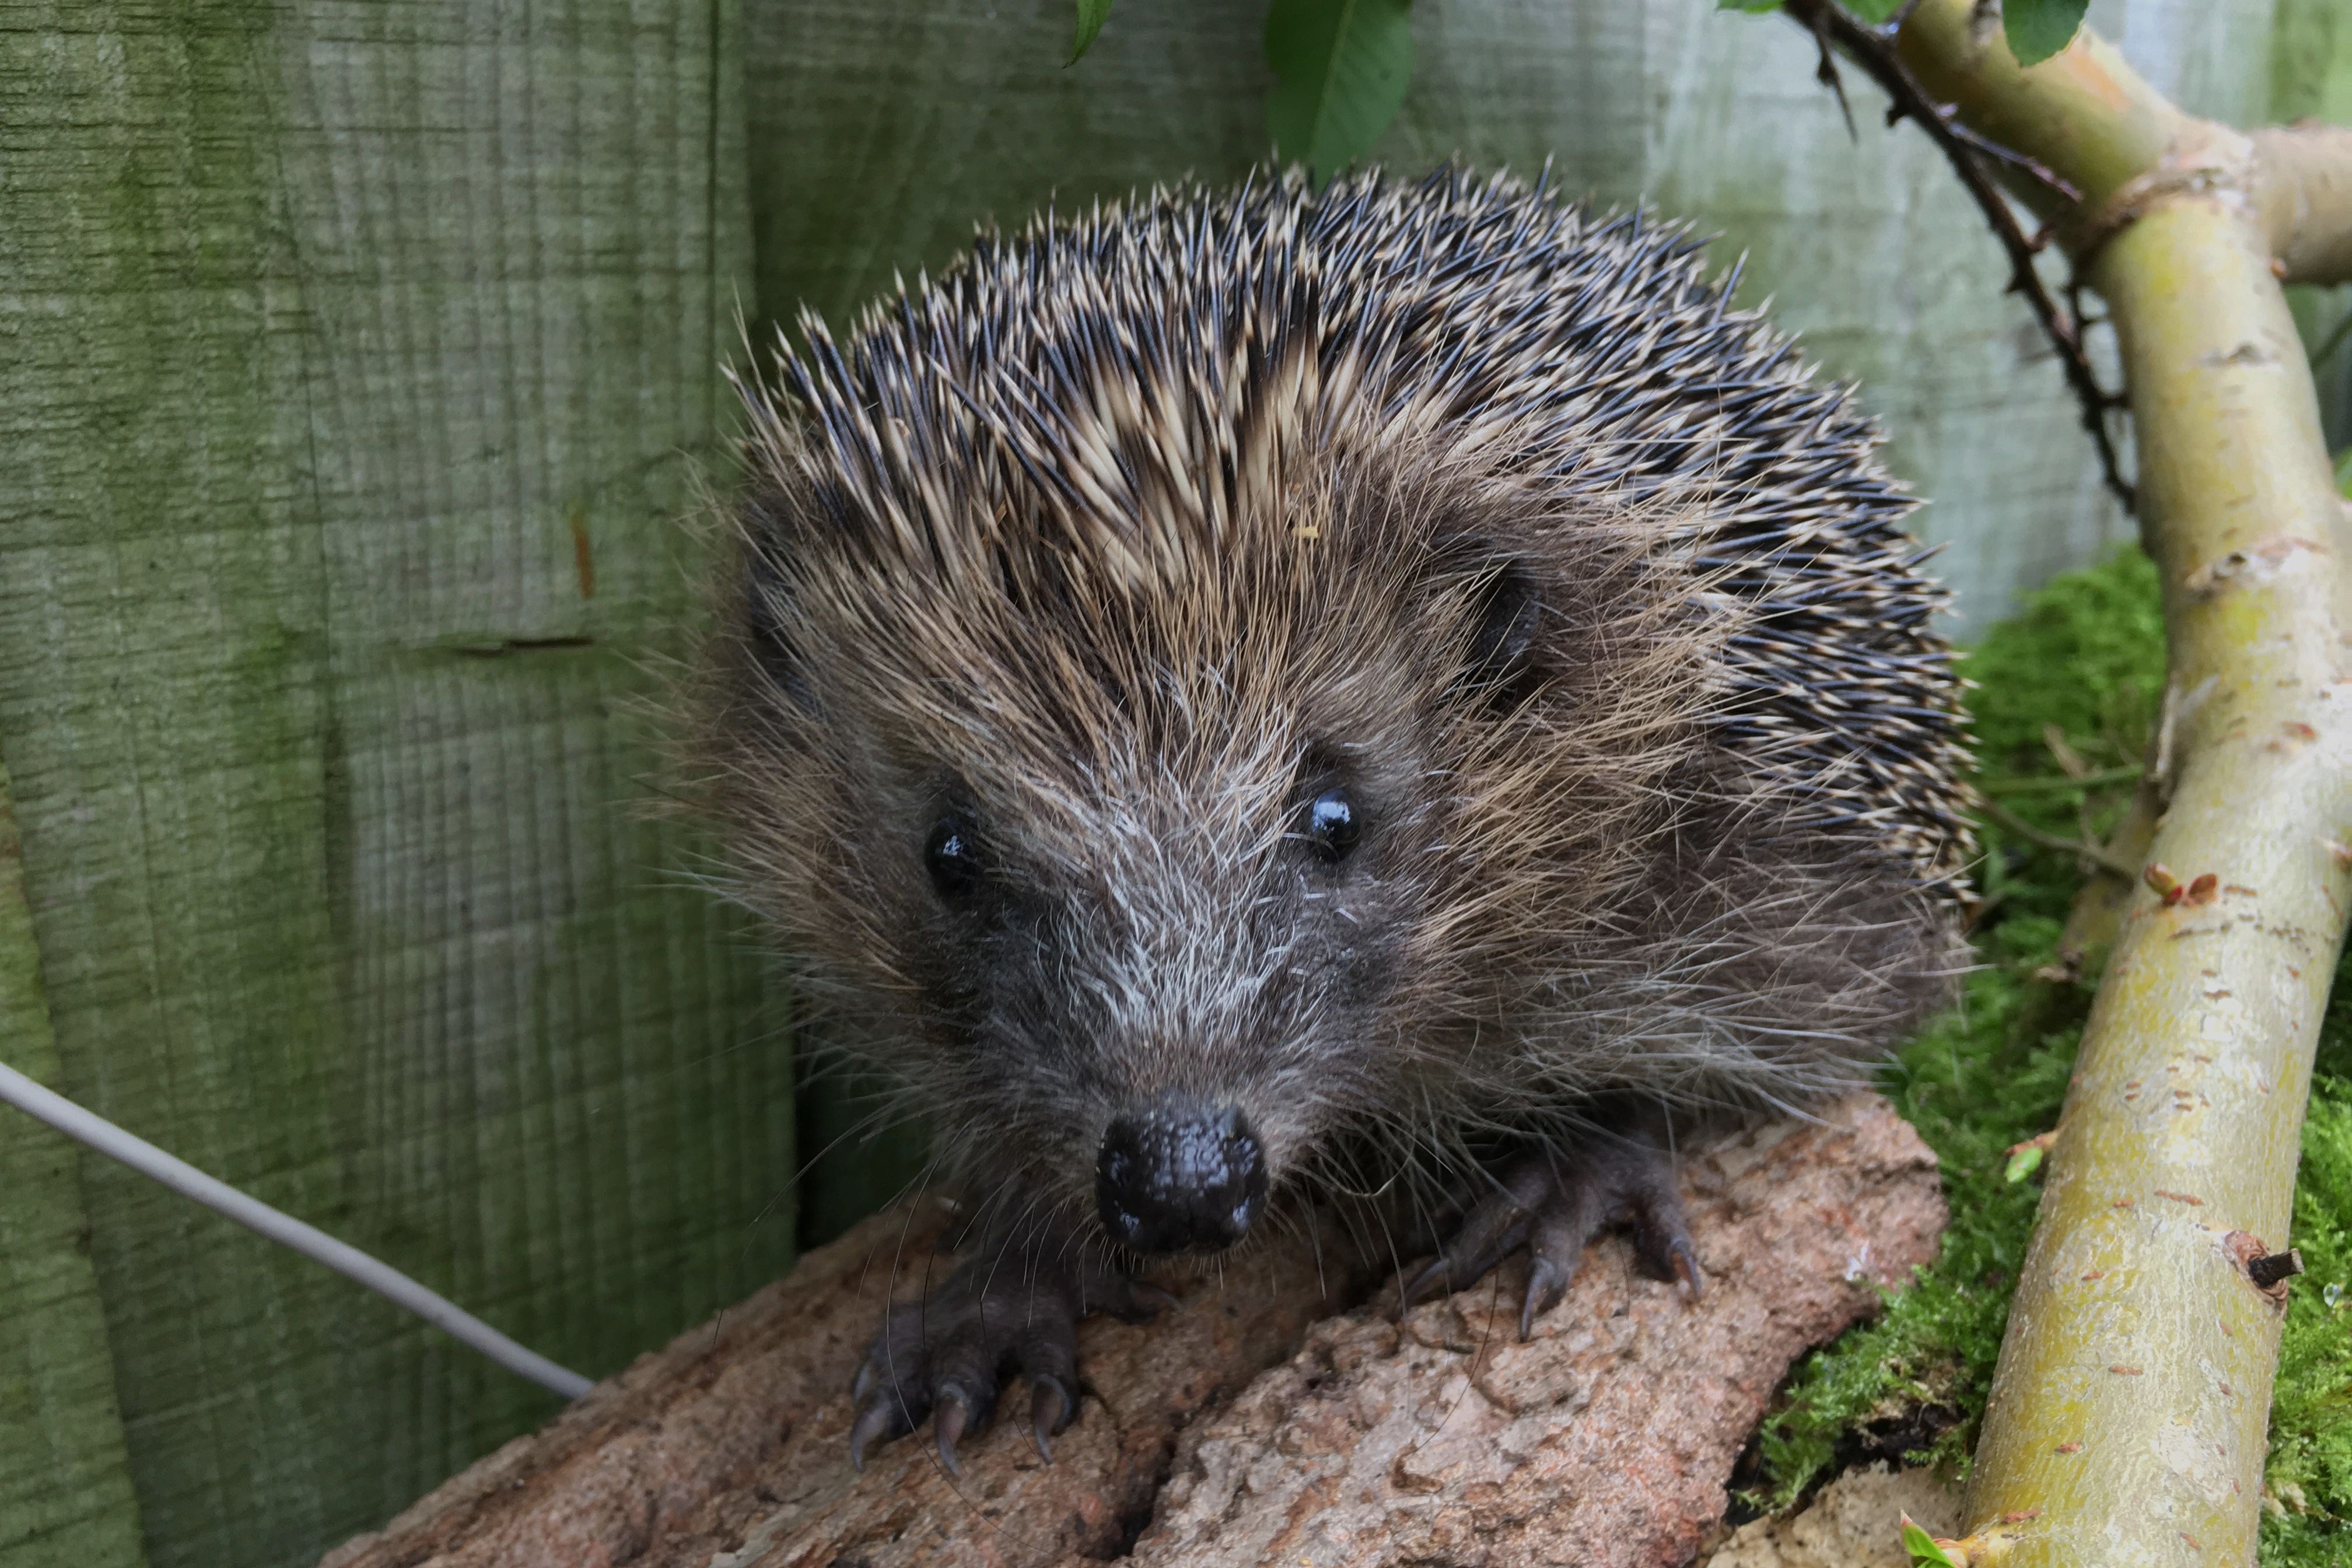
(2311, 76)
(357, 358)
(65, 1494)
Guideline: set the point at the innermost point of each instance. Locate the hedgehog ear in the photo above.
(766, 593)
(1505, 610)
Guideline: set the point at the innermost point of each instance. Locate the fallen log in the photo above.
(1606, 1440)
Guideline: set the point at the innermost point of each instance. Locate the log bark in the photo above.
(1606, 1440)
(735, 1438)
(2128, 1414)
(1855, 1521)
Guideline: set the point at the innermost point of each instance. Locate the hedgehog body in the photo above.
(1357, 672)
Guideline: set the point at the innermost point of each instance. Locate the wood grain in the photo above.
(66, 1493)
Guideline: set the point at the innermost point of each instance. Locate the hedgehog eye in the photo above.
(951, 855)
(1333, 825)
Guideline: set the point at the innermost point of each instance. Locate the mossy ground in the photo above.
(2066, 695)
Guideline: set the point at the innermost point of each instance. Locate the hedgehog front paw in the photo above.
(1557, 1203)
(1002, 1313)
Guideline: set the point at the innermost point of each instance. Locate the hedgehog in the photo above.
(1242, 697)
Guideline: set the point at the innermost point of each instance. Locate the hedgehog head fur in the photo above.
(1079, 575)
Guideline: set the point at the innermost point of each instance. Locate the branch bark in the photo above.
(2304, 192)
(2091, 123)
(2129, 1416)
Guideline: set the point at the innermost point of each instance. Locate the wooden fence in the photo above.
(355, 362)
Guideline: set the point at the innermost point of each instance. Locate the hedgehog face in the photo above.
(1133, 892)
(1148, 980)
(1155, 890)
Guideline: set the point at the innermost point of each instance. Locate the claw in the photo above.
(1137, 1302)
(1153, 1301)
(1687, 1267)
(1493, 1230)
(863, 1381)
(873, 1421)
(950, 1417)
(1547, 1283)
(1049, 1412)
(1417, 1285)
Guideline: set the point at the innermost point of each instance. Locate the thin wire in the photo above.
(386, 1281)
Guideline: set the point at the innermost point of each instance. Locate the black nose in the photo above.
(1179, 1176)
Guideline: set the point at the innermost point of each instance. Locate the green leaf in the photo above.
(2022, 1163)
(2334, 341)
(1922, 1547)
(2344, 473)
(2040, 29)
(1340, 69)
(1092, 14)
(1874, 12)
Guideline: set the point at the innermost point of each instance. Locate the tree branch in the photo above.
(2081, 848)
(2304, 192)
(2136, 1323)
(1963, 146)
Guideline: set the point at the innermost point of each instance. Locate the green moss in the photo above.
(2067, 692)
(2087, 655)
(2309, 1477)
(1977, 1080)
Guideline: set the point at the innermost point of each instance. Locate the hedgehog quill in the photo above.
(1242, 697)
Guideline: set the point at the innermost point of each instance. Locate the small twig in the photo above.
(2070, 762)
(2334, 341)
(2043, 784)
(1826, 73)
(2041, 174)
(2094, 853)
(1873, 50)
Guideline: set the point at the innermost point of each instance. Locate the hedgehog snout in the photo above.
(1179, 1176)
